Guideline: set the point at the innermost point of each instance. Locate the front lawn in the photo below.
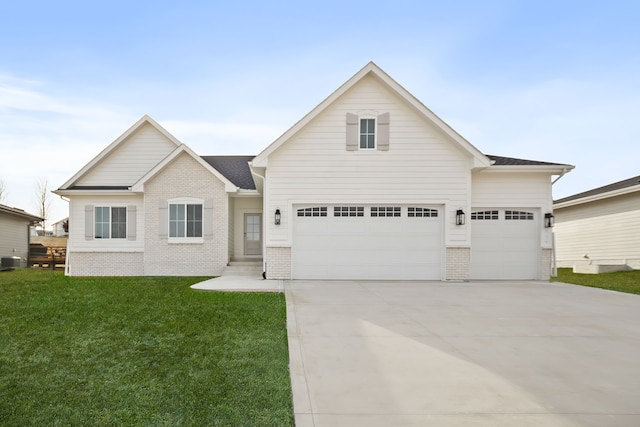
(622, 281)
(139, 351)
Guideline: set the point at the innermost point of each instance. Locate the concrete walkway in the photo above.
(462, 354)
(240, 284)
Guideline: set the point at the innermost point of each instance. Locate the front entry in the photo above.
(253, 234)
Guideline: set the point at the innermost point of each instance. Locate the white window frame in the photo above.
(375, 132)
(185, 201)
(110, 222)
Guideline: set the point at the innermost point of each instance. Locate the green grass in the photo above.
(139, 351)
(622, 281)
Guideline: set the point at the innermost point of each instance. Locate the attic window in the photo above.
(367, 134)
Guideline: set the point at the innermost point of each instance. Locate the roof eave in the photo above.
(550, 169)
(596, 197)
(70, 192)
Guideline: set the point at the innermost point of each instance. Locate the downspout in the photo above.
(554, 264)
(264, 223)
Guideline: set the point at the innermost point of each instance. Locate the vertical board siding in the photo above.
(131, 160)
(421, 166)
(604, 230)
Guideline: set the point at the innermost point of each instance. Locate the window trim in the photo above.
(110, 222)
(186, 201)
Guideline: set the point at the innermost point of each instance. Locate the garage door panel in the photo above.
(367, 247)
(504, 248)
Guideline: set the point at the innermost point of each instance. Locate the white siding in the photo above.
(131, 160)
(422, 165)
(515, 191)
(607, 231)
(14, 237)
(77, 241)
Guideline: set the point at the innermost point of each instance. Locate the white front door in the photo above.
(253, 234)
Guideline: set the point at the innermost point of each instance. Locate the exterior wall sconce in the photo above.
(278, 216)
(459, 217)
(548, 220)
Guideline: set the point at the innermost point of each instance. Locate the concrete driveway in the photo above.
(463, 354)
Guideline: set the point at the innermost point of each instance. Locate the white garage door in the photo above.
(504, 244)
(367, 242)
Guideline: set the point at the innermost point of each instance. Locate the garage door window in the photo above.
(422, 212)
(484, 215)
(385, 211)
(518, 215)
(316, 211)
(348, 211)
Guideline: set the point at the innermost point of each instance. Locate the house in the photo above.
(599, 230)
(60, 228)
(14, 234)
(370, 184)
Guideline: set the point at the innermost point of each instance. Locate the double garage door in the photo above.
(390, 242)
(504, 244)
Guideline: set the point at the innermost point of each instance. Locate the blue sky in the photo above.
(547, 80)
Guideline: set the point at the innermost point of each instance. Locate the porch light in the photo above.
(459, 217)
(278, 216)
(548, 220)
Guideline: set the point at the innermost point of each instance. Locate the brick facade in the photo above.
(105, 264)
(458, 260)
(278, 262)
(185, 177)
(545, 264)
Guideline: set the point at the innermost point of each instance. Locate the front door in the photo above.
(253, 234)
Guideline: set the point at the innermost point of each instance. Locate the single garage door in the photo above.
(367, 242)
(504, 244)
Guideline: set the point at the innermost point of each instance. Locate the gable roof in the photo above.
(115, 144)
(20, 213)
(228, 185)
(480, 160)
(234, 168)
(617, 188)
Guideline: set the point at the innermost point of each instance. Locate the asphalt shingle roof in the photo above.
(604, 189)
(511, 161)
(234, 168)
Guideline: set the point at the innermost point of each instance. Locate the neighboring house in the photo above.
(60, 228)
(369, 185)
(14, 232)
(599, 226)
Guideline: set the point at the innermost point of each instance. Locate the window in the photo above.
(320, 211)
(110, 222)
(367, 133)
(484, 215)
(518, 215)
(185, 220)
(422, 212)
(348, 211)
(378, 211)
